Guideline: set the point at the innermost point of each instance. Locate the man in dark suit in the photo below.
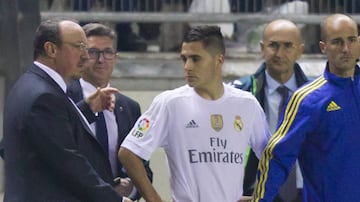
(51, 153)
(96, 74)
(281, 46)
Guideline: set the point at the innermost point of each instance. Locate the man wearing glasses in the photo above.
(110, 128)
(50, 151)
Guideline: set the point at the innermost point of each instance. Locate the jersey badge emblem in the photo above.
(216, 122)
(142, 126)
(238, 124)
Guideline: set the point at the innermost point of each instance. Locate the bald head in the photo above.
(281, 46)
(68, 29)
(282, 26)
(53, 30)
(340, 43)
(335, 20)
(61, 45)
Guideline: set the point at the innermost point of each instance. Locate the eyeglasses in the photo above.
(81, 46)
(108, 53)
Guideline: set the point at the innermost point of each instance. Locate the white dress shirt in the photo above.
(111, 126)
(273, 98)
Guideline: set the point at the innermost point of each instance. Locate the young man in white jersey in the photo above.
(204, 128)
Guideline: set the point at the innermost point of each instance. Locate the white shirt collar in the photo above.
(272, 84)
(88, 88)
(53, 74)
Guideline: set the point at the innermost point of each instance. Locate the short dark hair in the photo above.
(210, 36)
(48, 30)
(97, 29)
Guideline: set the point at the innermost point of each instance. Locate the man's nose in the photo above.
(346, 47)
(188, 64)
(281, 50)
(101, 57)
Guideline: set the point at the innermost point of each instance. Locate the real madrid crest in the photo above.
(216, 122)
(238, 124)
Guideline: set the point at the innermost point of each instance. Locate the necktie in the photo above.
(101, 131)
(284, 92)
(288, 191)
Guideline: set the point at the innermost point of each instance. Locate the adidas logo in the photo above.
(192, 124)
(332, 107)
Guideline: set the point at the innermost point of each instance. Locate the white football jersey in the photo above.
(205, 141)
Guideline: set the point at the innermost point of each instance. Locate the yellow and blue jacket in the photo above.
(320, 127)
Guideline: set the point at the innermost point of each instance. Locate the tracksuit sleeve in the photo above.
(282, 150)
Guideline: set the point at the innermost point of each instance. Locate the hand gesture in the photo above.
(127, 199)
(245, 199)
(101, 99)
(125, 186)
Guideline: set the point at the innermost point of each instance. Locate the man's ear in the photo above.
(322, 46)
(262, 47)
(50, 49)
(221, 58)
(301, 49)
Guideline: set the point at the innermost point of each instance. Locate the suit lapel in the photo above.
(81, 117)
(38, 71)
(46, 77)
(75, 92)
(121, 118)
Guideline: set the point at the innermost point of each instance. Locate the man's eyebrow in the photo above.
(336, 39)
(189, 56)
(281, 42)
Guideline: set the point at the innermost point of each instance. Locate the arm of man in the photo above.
(136, 171)
(283, 148)
(101, 99)
(124, 186)
(245, 199)
(250, 172)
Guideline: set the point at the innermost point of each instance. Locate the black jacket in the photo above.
(126, 111)
(51, 154)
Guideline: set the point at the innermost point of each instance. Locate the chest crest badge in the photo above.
(216, 122)
(238, 124)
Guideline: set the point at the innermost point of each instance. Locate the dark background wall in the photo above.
(18, 21)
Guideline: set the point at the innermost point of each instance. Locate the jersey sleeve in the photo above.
(260, 131)
(149, 131)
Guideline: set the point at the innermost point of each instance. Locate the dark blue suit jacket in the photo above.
(51, 154)
(126, 111)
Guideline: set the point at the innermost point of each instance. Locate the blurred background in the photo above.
(149, 38)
